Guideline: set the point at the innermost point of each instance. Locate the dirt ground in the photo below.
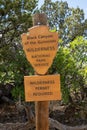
(10, 114)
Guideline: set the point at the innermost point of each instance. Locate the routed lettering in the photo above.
(45, 36)
(31, 37)
(41, 49)
(40, 46)
(43, 94)
(42, 88)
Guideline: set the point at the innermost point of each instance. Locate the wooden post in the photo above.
(41, 107)
(41, 88)
(42, 115)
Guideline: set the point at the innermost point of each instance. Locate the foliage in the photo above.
(71, 59)
(18, 91)
(69, 22)
(15, 19)
(14, 71)
(71, 64)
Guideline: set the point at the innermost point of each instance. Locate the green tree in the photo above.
(72, 53)
(15, 19)
(71, 64)
(69, 22)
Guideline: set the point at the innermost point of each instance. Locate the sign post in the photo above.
(40, 46)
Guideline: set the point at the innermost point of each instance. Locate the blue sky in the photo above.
(82, 4)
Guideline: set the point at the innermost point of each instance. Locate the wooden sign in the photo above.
(40, 46)
(42, 88)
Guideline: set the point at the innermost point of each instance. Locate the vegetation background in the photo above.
(70, 61)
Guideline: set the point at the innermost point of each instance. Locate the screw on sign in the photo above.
(40, 46)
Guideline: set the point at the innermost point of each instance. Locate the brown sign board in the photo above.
(42, 88)
(40, 46)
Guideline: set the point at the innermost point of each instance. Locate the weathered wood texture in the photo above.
(39, 19)
(41, 108)
(42, 116)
